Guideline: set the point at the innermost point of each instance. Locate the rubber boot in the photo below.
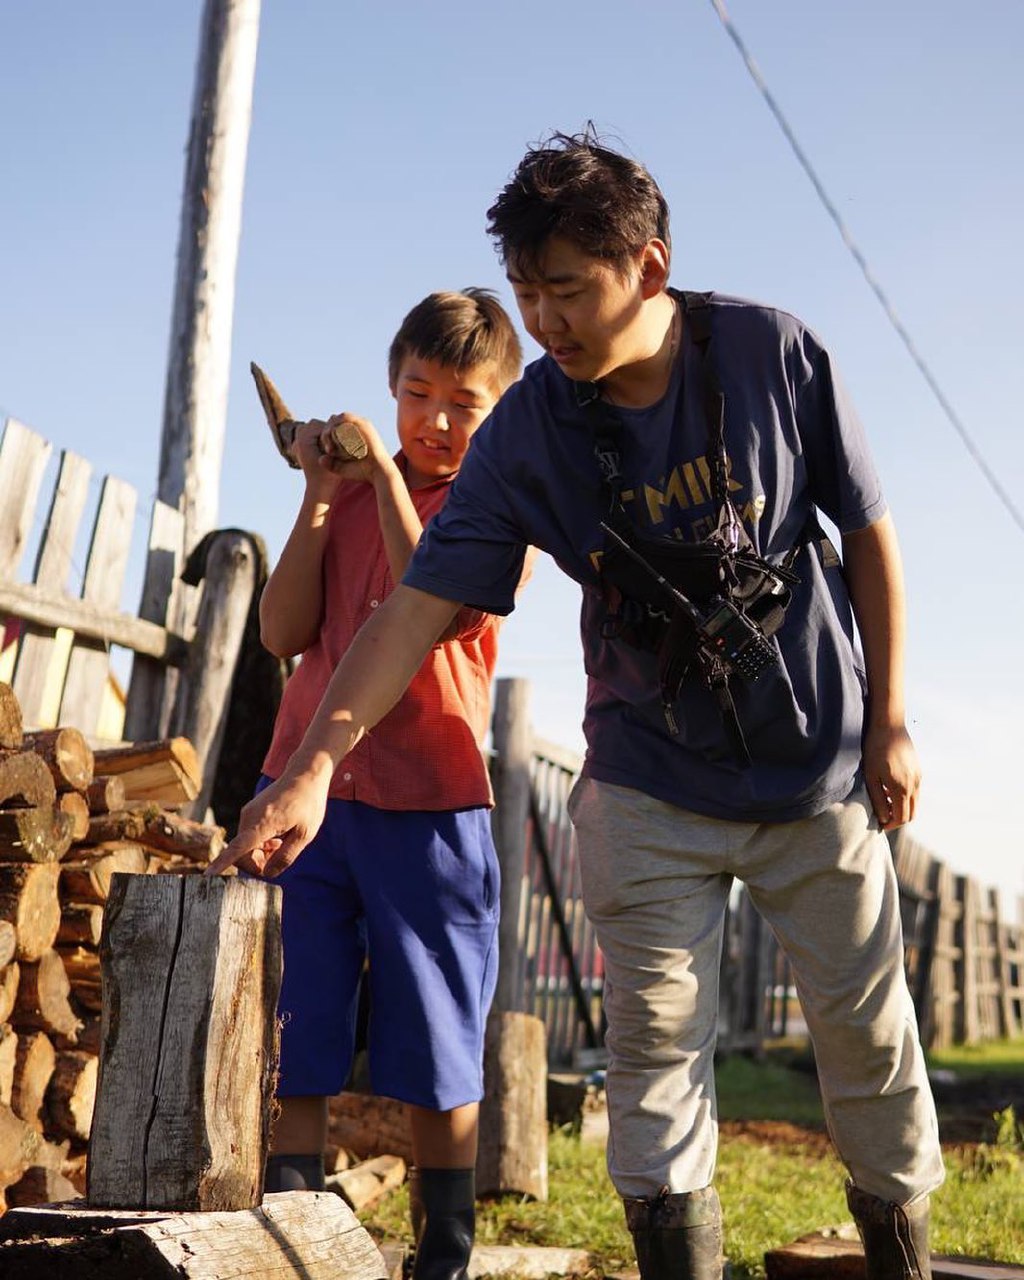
(895, 1236)
(442, 1203)
(677, 1237)
(294, 1173)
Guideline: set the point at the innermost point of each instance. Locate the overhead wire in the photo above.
(869, 275)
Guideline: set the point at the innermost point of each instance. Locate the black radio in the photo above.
(731, 636)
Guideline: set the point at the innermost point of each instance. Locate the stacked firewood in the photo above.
(69, 818)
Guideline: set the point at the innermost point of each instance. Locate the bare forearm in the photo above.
(400, 524)
(874, 575)
(291, 607)
(276, 825)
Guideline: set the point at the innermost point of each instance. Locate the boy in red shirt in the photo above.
(403, 870)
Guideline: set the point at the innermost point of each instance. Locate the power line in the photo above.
(887, 307)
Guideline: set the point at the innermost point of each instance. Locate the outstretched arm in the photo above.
(275, 826)
(874, 575)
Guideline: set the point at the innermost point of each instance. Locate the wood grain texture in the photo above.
(28, 900)
(11, 726)
(25, 779)
(513, 1153)
(191, 973)
(307, 1234)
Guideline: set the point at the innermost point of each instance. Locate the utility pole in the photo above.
(195, 401)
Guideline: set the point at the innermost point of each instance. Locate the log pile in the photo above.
(70, 816)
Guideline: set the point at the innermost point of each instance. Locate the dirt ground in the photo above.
(966, 1107)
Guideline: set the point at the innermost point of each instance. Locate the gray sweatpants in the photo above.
(656, 881)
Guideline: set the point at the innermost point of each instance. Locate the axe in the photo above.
(349, 444)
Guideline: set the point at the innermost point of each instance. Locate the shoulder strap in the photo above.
(697, 312)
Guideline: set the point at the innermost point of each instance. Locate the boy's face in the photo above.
(439, 408)
(585, 312)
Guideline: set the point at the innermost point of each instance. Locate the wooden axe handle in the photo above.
(349, 445)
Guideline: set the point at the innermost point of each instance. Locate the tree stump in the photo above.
(10, 979)
(310, 1234)
(42, 1003)
(33, 1072)
(8, 1060)
(837, 1255)
(66, 754)
(368, 1125)
(191, 975)
(25, 779)
(28, 900)
(35, 835)
(8, 944)
(76, 806)
(10, 719)
(105, 794)
(513, 1155)
(71, 1095)
(88, 881)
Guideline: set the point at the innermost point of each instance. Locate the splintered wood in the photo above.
(191, 975)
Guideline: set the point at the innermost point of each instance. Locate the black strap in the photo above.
(679, 651)
(719, 682)
(697, 311)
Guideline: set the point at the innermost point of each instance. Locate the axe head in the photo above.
(279, 418)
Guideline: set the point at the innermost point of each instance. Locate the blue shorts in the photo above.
(417, 894)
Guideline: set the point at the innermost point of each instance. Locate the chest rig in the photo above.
(707, 608)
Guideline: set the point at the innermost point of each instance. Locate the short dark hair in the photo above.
(604, 203)
(460, 330)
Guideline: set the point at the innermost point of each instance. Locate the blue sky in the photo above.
(380, 135)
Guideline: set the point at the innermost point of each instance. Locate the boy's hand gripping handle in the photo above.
(349, 444)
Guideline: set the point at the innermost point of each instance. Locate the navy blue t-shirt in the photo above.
(795, 444)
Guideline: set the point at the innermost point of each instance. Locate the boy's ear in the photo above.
(654, 268)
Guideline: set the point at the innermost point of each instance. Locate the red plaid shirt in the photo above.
(426, 752)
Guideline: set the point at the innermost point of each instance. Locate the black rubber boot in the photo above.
(294, 1173)
(677, 1237)
(895, 1236)
(442, 1204)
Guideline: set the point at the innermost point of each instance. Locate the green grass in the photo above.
(769, 1090)
(1003, 1057)
(772, 1191)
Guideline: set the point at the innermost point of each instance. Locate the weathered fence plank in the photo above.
(147, 709)
(23, 459)
(89, 661)
(52, 575)
(201, 704)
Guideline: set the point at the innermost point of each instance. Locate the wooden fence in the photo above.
(182, 643)
(965, 963)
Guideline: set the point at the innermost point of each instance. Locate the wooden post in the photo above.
(968, 894)
(513, 1114)
(511, 737)
(191, 975)
(201, 708)
(513, 1155)
(151, 690)
(195, 403)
